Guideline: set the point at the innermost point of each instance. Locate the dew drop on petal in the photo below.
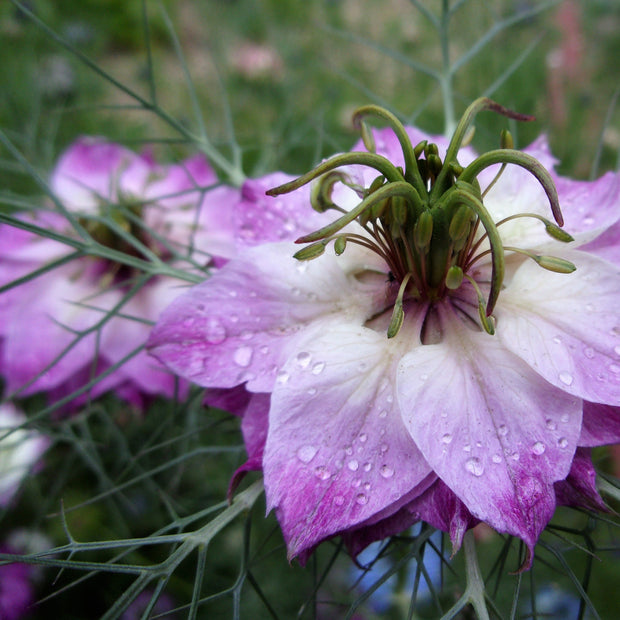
(214, 331)
(502, 430)
(467, 448)
(563, 442)
(589, 352)
(617, 350)
(311, 391)
(338, 500)
(614, 368)
(348, 450)
(474, 466)
(564, 418)
(550, 424)
(382, 413)
(317, 369)
(446, 438)
(322, 473)
(386, 471)
(557, 339)
(496, 458)
(384, 448)
(356, 483)
(264, 349)
(566, 378)
(367, 466)
(363, 437)
(538, 448)
(362, 499)
(303, 359)
(353, 465)
(306, 453)
(282, 377)
(243, 356)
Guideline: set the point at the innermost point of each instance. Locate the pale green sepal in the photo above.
(557, 233)
(311, 251)
(553, 263)
(454, 277)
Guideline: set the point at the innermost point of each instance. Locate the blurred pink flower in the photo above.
(49, 332)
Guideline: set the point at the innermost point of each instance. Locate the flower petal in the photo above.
(337, 453)
(601, 425)
(234, 327)
(579, 488)
(566, 326)
(495, 432)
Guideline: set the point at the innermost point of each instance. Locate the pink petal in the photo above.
(42, 323)
(440, 507)
(337, 454)
(94, 171)
(579, 488)
(566, 326)
(601, 425)
(236, 326)
(260, 218)
(495, 432)
(606, 245)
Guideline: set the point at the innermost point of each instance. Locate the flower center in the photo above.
(427, 220)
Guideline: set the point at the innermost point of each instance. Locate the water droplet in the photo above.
(617, 349)
(317, 369)
(295, 292)
(614, 368)
(383, 413)
(564, 418)
(322, 473)
(282, 377)
(338, 500)
(348, 450)
(361, 499)
(214, 331)
(356, 483)
(389, 399)
(538, 448)
(515, 456)
(367, 466)
(353, 465)
(303, 359)
(447, 438)
(423, 377)
(188, 322)
(550, 424)
(589, 308)
(311, 391)
(444, 414)
(566, 378)
(589, 352)
(384, 448)
(496, 458)
(362, 366)
(264, 349)
(234, 318)
(467, 447)
(474, 466)
(306, 453)
(243, 356)
(502, 430)
(363, 437)
(232, 293)
(386, 471)
(563, 442)
(557, 339)
(588, 221)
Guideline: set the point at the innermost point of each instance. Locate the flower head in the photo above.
(89, 315)
(450, 362)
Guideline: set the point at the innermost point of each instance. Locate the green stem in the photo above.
(474, 593)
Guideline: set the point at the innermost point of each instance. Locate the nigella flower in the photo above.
(61, 329)
(452, 362)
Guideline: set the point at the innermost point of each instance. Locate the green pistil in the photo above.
(424, 221)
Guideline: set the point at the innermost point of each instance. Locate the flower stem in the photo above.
(474, 593)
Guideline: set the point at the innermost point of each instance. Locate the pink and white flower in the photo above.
(62, 329)
(422, 372)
